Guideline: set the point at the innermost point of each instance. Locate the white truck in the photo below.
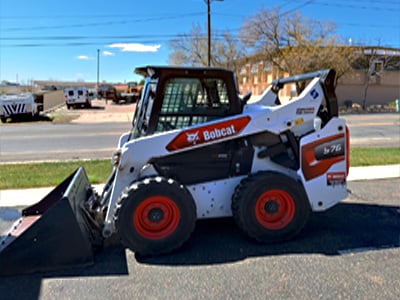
(19, 105)
(77, 96)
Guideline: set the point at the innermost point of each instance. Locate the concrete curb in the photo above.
(25, 197)
(374, 172)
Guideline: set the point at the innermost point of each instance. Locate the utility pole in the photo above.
(209, 32)
(98, 68)
(98, 75)
(209, 28)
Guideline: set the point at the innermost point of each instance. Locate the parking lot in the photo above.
(351, 251)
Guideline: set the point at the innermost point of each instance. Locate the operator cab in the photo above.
(175, 97)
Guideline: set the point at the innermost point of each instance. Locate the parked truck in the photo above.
(77, 97)
(20, 105)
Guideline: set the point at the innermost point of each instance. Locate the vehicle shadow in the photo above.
(110, 262)
(30, 119)
(346, 227)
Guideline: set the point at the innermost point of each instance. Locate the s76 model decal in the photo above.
(209, 133)
(319, 156)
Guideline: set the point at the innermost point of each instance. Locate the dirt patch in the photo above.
(106, 112)
(100, 112)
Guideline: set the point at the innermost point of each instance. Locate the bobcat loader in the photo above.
(196, 150)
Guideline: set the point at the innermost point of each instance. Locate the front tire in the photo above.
(155, 216)
(270, 207)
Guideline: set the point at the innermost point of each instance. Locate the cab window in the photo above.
(143, 110)
(190, 101)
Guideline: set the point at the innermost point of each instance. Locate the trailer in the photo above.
(20, 105)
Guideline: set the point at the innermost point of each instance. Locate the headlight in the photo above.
(317, 123)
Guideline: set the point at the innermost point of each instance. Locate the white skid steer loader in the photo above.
(196, 151)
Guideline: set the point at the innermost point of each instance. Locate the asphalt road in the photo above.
(41, 142)
(351, 251)
(374, 130)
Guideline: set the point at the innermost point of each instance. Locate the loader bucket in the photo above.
(51, 234)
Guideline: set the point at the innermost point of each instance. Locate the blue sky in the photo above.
(58, 40)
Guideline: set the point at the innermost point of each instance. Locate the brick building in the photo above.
(381, 78)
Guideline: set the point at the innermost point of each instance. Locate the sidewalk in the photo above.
(25, 197)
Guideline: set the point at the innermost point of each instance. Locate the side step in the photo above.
(51, 234)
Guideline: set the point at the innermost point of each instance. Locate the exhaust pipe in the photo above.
(55, 233)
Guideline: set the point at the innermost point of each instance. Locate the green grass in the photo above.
(19, 176)
(374, 156)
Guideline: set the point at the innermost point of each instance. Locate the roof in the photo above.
(156, 71)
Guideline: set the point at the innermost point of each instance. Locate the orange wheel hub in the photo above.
(275, 209)
(156, 217)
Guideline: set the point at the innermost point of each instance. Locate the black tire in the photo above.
(155, 216)
(270, 207)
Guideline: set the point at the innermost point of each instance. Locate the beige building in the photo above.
(381, 89)
(381, 80)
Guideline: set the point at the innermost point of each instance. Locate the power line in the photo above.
(78, 40)
(106, 23)
(359, 5)
(24, 38)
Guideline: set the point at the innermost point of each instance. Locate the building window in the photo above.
(254, 69)
(377, 66)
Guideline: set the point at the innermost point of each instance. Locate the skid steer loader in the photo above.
(196, 150)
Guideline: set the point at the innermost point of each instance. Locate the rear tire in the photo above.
(270, 207)
(155, 216)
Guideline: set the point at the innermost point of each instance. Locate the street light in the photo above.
(209, 29)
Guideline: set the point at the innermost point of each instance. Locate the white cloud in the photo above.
(108, 53)
(133, 47)
(83, 57)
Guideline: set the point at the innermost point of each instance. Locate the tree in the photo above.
(295, 44)
(191, 49)
(372, 61)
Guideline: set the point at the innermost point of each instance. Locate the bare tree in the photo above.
(292, 43)
(227, 52)
(372, 61)
(295, 44)
(191, 49)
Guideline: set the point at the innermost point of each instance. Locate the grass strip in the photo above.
(43, 174)
(374, 156)
(30, 175)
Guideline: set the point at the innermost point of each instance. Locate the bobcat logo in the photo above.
(192, 138)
